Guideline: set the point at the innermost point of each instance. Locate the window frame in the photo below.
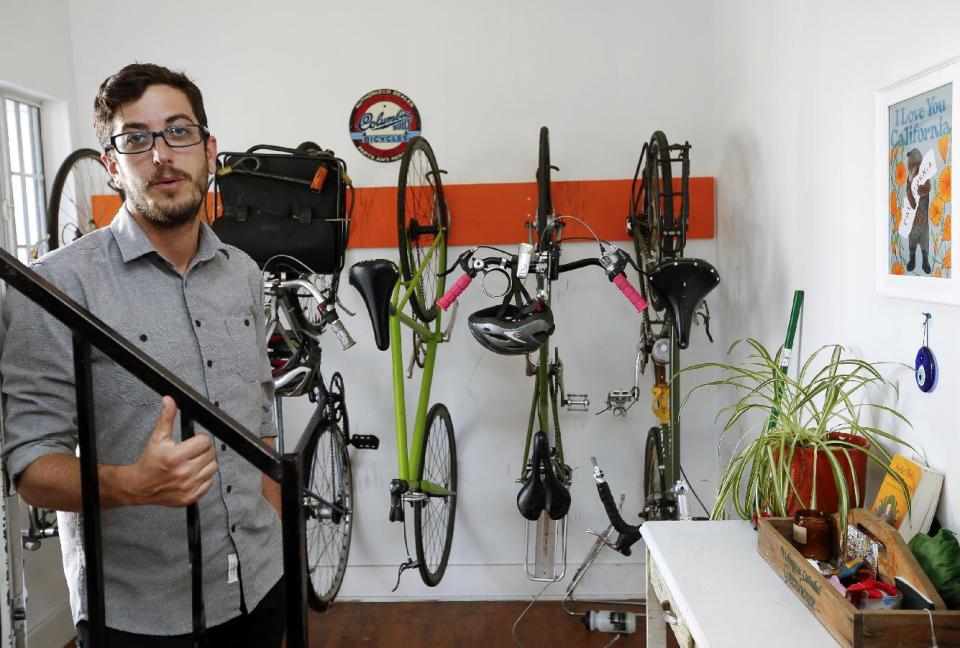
(35, 175)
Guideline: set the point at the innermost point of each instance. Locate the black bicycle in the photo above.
(289, 209)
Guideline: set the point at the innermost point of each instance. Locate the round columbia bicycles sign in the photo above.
(382, 123)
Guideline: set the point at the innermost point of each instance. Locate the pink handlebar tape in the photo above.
(451, 295)
(635, 298)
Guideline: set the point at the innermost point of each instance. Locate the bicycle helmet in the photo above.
(512, 330)
(290, 363)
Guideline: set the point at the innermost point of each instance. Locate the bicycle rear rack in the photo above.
(540, 556)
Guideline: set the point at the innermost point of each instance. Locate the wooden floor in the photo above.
(459, 625)
(480, 624)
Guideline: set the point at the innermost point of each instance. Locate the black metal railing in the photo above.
(89, 331)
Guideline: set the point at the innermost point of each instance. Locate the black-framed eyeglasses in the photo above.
(176, 136)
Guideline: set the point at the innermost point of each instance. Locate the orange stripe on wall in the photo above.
(495, 213)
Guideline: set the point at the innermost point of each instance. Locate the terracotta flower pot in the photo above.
(828, 500)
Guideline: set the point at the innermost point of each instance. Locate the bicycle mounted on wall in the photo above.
(427, 465)
(290, 210)
(676, 288)
(522, 325)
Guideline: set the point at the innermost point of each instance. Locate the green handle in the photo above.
(786, 352)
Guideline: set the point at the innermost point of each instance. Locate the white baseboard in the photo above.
(53, 631)
(616, 581)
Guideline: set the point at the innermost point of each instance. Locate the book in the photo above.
(923, 485)
(913, 599)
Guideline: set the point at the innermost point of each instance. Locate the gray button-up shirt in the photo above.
(207, 327)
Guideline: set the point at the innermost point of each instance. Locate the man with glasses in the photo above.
(161, 278)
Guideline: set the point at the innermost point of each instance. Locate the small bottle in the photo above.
(609, 621)
(813, 534)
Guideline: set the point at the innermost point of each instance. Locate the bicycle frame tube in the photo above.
(543, 393)
(673, 440)
(415, 279)
(539, 407)
(409, 461)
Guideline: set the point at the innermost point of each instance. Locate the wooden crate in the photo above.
(852, 627)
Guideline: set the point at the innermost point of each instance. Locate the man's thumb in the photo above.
(164, 427)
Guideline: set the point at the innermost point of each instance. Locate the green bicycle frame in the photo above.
(409, 462)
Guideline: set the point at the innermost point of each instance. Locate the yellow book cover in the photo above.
(890, 503)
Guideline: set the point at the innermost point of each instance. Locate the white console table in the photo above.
(719, 592)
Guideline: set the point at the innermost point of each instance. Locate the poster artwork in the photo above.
(921, 147)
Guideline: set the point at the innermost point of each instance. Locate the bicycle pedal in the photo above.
(365, 441)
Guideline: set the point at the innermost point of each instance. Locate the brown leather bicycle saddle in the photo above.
(683, 283)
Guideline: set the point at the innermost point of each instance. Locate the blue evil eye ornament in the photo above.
(925, 365)
(926, 369)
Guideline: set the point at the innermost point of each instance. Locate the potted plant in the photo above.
(808, 439)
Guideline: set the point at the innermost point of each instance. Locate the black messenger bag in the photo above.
(289, 202)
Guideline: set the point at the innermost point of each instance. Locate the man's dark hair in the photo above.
(130, 83)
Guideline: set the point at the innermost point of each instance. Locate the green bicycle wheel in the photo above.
(421, 216)
(328, 509)
(433, 517)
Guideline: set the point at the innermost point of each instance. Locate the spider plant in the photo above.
(824, 410)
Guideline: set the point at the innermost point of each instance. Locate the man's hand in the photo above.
(167, 473)
(170, 473)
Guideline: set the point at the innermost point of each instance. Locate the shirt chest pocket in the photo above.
(246, 347)
(176, 355)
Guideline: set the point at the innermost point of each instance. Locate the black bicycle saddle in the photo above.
(546, 494)
(375, 279)
(684, 283)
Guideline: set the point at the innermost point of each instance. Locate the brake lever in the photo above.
(453, 318)
(344, 308)
(704, 312)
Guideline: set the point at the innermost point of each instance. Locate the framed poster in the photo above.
(914, 154)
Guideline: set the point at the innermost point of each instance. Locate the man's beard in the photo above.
(174, 215)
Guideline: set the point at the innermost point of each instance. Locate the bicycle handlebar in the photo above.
(635, 298)
(327, 309)
(455, 291)
(629, 534)
(612, 261)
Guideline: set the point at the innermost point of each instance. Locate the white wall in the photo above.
(796, 208)
(485, 76)
(36, 61)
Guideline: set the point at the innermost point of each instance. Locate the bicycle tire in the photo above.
(654, 470)
(544, 189)
(420, 200)
(80, 177)
(659, 195)
(327, 531)
(433, 518)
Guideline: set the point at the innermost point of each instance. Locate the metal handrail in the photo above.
(89, 331)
